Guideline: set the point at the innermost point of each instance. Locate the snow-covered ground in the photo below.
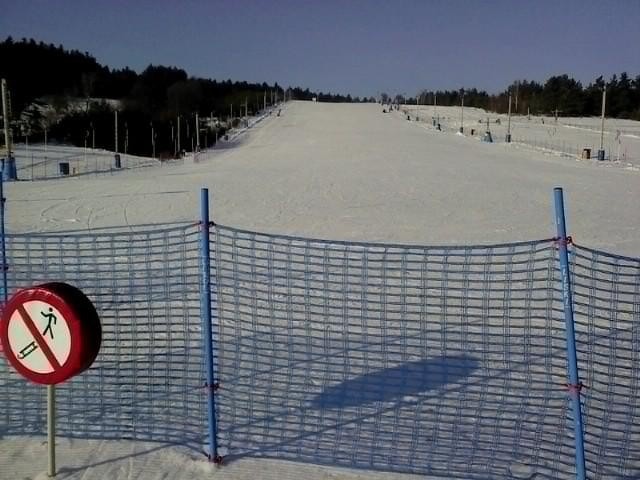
(52, 161)
(351, 172)
(565, 136)
(43, 162)
(342, 172)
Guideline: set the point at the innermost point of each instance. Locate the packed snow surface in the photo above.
(341, 172)
(351, 172)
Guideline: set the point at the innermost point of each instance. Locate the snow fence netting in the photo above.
(433, 360)
(147, 380)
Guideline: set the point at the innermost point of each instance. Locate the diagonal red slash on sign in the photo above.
(39, 338)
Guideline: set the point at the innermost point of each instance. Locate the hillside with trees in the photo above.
(561, 93)
(69, 95)
(72, 96)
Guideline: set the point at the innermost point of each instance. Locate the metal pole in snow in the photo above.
(6, 116)
(435, 104)
(205, 312)
(153, 143)
(179, 151)
(509, 122)
(574, 385)
(197, 131)
(462, 113)
(116, 130)
(51, 430)
(604, 103)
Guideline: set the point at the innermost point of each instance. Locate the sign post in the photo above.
(50, 333)
(51, 430)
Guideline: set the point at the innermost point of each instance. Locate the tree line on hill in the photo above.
(54, 92)
(56, 89)
(560, 94)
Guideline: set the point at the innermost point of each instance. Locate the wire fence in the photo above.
(620, 145)
(37, 162)
(48, 161)
(574, 150)
(430, 360)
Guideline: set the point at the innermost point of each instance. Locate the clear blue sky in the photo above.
(351, 46)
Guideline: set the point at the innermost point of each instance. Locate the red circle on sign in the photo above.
(82, 322)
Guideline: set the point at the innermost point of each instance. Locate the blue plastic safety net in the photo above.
(434, 360)
(147, 380)
(606, 297)
(448, 361)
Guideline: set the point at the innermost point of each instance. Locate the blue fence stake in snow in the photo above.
(205, 313)
(574, 385)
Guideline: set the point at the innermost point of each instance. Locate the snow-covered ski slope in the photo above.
(351, 172)
(563, 135)
(343, 172)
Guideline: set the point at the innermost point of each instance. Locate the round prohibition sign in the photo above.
(50, 333)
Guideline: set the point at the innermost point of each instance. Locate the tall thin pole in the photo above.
(211, 125)
(153, 143)
(205, 313)
(604, 103)
(6, 116)
(197, 131)
(462, 113)
(508, 139)
(178, 137)
(116, 130)
(574, 385)
(51, 430)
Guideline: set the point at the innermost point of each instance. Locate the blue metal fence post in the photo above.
(574, 385)
(5, 287)
(205, 313)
